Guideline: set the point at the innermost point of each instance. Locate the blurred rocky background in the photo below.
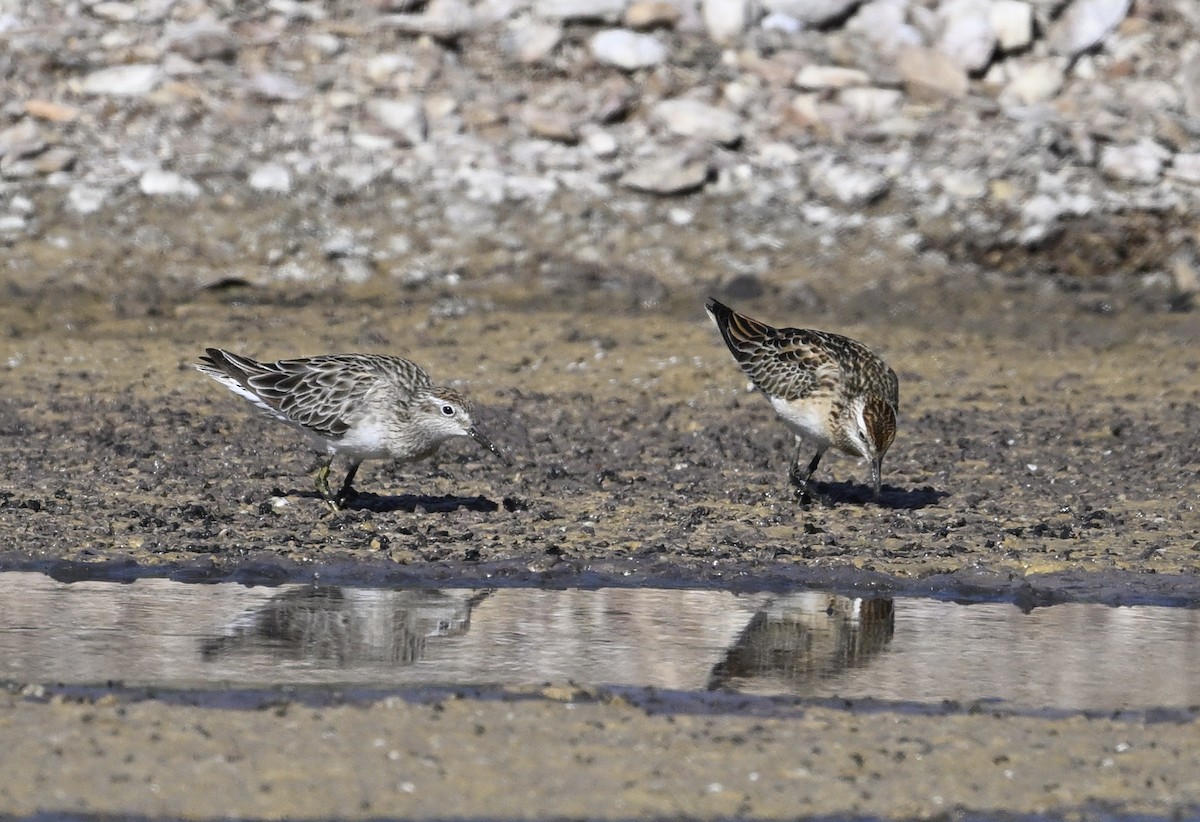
(643, 147)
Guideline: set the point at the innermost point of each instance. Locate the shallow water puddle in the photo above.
(168, 634)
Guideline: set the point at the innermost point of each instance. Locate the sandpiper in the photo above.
(828, 389)
(364, 406)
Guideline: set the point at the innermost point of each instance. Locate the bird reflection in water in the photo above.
(805, 638)
(348, 627)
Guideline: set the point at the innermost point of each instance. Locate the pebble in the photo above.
(54, 112)
(130, 80)
(404, 119)
(929, 74)
(812, 13)
(1034, 81)
(273, 177)
(608, 11)
(967, 34)
(651, 14)
(159, 183)
(1012, 21)
(627, 49)
(674, 174)
(692, 118)
(1085, 24)
(816, 77)
(848, 185)
(725, 20)
(1140, 162)
(21, 140)
(530, 41)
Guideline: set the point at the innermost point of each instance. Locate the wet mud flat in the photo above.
(1047, 452)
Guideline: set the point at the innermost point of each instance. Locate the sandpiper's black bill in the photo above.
(478, 436)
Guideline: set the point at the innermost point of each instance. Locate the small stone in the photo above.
(929, 74)
(271, 177)
(276, 87)
(114, 11)
(56, 159)
(1012, 21)
(54, 112)
(850, 186)
(967, 35)
(825, 77)
(1140, 162)
(404, 119)
(884, 24)
(21, 140)
(627, 50)
(871, 103)
(1034, 81)
(442, 20)
(812, 13)
(1185, 168)
(608, 11)
(123, 81)
(550, 125)
(83, 199)
(602, 144)
(530, 41)
(725, 20)
(652, 14)
(675, 174)
(1085, 24)
(691, 118)
(159, 183)
(1189, 83)
(203, 40)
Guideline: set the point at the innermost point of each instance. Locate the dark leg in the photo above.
(348, 493)
(800, 480)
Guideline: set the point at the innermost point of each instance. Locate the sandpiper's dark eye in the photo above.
(448, 410)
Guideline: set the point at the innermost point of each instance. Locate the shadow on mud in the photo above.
(415, 503)
(890, 496)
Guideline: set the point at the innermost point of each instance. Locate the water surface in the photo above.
(167, 634)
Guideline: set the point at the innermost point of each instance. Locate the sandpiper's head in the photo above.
(444, 413)
(873, 430)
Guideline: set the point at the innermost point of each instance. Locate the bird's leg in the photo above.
(800, 480)
(347, 492)
(323, 478)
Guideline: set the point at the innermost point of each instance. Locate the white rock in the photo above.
(1085, 24)
(1189, 83)
(929, 73)
(627, 49)
(884, 23)
(849, 185)
(83, 199)
(443, 20)
(725, 20)
(530, 41)
(824, 77)
(11, 223)
(812, 12)
(1034, 81)
(781, 22)
(1012, 20)
(123, 81)
(22, 140)
(114, 11)
(158, 183)
(967, 35)
(276, 87)
(675, 174)
(1185, 168)
(1140, 162)
(403, 118)
(691, 118)
(871, 103)
(574, 10)
(271, 177)
(602, 144)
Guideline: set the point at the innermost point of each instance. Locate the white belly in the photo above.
(808, 419)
